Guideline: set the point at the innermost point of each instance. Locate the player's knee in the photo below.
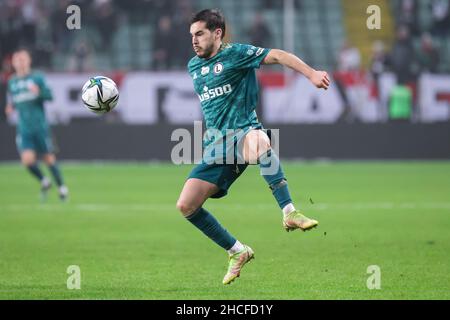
(264, 150)
(185, 208)
(28, 159)
(257, 144)
(49, 159)
(263, 143)
(26, 162)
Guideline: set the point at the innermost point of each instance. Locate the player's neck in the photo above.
(23, 73)
(217, 49)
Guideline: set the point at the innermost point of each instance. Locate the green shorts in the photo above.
(222, 175)
(40, 142)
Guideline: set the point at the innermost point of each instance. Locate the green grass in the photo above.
(122, 229)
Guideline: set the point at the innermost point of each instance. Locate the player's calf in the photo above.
(29, 160)
(272, 172)
(35, 171)
(54, 169)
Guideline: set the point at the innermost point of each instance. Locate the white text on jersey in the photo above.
(214, 93)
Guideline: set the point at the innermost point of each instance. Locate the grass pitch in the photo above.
(121, 228)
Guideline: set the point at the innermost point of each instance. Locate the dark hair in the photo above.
(20, 49)
(214, 19)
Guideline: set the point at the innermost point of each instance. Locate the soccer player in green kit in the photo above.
(225, 81)
(27, 92)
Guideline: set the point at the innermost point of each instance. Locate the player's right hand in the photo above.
(9, 110)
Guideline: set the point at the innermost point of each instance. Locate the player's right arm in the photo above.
(319, 78)
(9, 109)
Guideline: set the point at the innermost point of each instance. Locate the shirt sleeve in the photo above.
(9, 99)
(45, 92)
(248, 56)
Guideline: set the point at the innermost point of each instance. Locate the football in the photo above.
(100, 94)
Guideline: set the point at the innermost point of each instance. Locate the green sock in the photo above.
(271, 171)
(207, 224)
(35, 171)
(56, 173)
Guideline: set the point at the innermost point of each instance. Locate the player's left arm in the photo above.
(319, 78)
(42, 89)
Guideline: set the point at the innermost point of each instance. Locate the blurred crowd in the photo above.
(37, 24)
(40, 25)
(414, 50)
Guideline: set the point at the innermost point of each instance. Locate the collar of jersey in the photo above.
(222, 48)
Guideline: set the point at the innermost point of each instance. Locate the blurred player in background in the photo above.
(27, 92)
(225, 81)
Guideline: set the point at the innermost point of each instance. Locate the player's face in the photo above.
(21, 61)
(203, 40)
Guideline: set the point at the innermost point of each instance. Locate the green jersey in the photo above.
(29, 105)
(227, 87)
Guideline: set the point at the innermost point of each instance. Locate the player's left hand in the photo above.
(320, 79)
(34, 88)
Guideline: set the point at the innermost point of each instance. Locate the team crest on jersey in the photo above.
(218, 68)
(205, 70)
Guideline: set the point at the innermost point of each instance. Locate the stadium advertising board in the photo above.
(168, 97)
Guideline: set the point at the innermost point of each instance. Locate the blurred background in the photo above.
(390, 96)
(389, 100)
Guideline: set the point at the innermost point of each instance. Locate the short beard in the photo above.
(208, 52)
